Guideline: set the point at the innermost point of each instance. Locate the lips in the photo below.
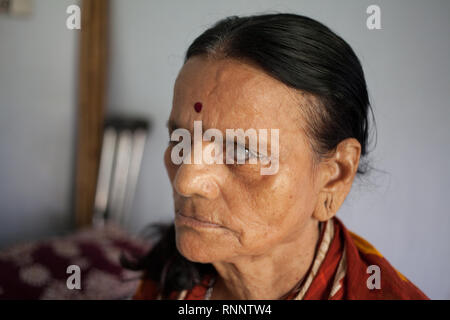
(193, 221)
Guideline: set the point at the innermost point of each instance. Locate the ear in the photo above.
(336, 175)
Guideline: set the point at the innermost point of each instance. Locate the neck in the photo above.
(268, 276)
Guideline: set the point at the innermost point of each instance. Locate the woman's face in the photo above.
(249, 213)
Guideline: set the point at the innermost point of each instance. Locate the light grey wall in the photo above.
(37, 116)
(403, 212)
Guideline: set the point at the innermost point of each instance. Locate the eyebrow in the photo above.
(172, 125)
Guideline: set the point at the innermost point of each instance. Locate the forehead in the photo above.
(234, 94)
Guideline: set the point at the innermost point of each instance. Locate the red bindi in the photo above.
(198, 106)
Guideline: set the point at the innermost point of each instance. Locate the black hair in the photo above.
(305, 55)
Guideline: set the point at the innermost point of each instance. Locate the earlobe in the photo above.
(325, 208)
(329, 203)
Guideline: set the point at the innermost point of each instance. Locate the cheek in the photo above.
(274, 210)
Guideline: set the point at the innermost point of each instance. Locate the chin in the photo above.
(196, 248)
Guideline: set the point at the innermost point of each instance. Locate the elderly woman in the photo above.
(242, 234)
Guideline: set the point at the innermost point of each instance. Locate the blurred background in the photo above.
(52, 115)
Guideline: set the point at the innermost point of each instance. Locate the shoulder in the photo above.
(371, 276)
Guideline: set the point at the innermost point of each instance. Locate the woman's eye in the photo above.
(242, 154)
(239, 154)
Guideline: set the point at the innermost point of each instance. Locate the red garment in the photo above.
(343, 270)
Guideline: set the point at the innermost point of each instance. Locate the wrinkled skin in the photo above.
(265, 228)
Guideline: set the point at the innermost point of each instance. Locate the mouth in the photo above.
(182, 219)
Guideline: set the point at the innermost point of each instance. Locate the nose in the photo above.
(198, 179)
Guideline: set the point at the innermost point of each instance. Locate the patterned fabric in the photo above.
(325, 242)
(38, 270)
(340, 271)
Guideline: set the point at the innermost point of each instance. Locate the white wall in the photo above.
(38, 56)
(403, 212)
